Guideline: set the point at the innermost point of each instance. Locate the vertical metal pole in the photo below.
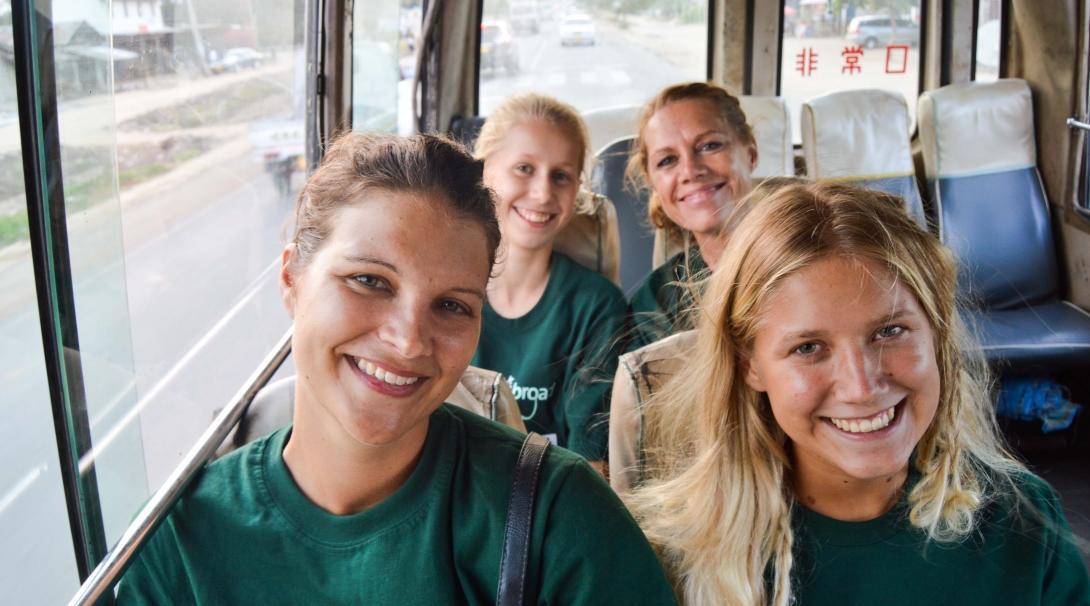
(36, 92)
(315, 79)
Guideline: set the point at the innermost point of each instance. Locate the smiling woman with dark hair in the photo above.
(380, 493)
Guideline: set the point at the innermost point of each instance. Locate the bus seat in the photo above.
(484, 392)
(980, 160)
(464, 129)
(591, 238)
(640, 373)
(862, 137)
(609, 124)
(634, 232)
(771, 124)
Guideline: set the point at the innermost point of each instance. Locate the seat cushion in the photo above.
(1048, 336)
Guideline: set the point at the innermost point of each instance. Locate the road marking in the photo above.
(21, 486)
(618, 77)
(88, 459)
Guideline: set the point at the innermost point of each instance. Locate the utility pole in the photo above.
(198, 43)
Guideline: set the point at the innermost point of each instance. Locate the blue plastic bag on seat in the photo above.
(1036, 399)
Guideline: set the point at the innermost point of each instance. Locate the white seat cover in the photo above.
(857, 135)
(772, 129)
(977, 128)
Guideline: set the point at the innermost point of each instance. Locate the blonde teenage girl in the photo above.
(549, 323)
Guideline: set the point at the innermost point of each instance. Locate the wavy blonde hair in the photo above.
(518, 109)
(717, 500)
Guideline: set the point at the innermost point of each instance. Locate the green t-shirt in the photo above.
(560, 357)
(245, 534)
(1022, 561)
(660, 304)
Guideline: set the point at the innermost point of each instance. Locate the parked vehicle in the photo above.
(875, 31)
(523, 16)
(237, 59)
(498, 48)
(577, 29)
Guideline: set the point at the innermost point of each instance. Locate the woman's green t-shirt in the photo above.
(245, 534)
(661, 303)
(1013, 557)
(560, 357)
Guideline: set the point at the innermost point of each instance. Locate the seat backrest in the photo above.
(609, 124)
(980, 158)
(771, 124)
(464, 129)
(482, 391)
(640, 374)
(862, 137)
(635, 234)
(592, 238)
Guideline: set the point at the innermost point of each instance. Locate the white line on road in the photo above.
(88, 458)
(21, 486)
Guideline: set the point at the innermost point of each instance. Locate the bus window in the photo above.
(989, 19)
(180, 132)
(383, 62)
(37, 564)
(614, 55)
(861, 45)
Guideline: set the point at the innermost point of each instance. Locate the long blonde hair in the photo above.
(717, 501)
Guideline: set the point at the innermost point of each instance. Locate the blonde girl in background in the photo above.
(830, 440)
(549, 323)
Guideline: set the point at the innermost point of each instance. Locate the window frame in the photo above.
(1004, 34)
(36, 91)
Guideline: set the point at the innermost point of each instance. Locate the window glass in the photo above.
(834, 46)
(593, 54)
(37, 562)
(988, 33)
(181, 131)
(383, 62)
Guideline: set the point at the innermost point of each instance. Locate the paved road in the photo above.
(612, 72)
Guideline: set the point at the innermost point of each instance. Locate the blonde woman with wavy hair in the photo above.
(831, 441)
(695, 154)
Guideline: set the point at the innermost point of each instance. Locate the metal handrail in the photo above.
(1073, 123)
(113, 565)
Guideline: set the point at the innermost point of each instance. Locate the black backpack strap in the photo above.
(520, 516)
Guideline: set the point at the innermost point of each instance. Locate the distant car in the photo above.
(236, 59)
(523, 15)
(498, 48)
(577, 29)
(875, 31)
